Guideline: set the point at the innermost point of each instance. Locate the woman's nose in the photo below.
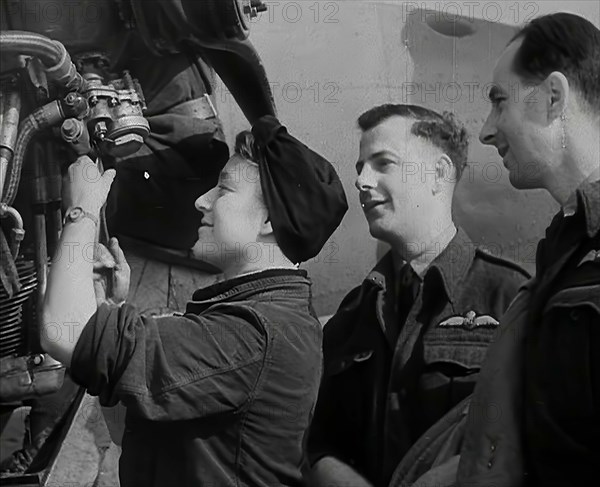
(204, 202)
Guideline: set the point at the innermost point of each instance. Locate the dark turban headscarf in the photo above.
(302, 191)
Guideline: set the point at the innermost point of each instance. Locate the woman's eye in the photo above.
(496, 101)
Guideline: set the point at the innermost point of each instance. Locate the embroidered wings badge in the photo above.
(470, 321)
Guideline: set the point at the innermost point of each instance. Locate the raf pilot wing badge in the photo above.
(470, 321)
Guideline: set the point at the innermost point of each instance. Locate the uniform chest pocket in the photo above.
(450, 372)
(342, 364)
(452, 358)
(570, 330)
(458, 344)
(353, 383)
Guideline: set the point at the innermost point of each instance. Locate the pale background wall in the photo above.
(328, 61)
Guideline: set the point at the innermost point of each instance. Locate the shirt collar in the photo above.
(452, 264)
(570, 207)
(587, 199)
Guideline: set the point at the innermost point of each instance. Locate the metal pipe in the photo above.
(39, 200)
(10, 109)
(41, 267)
(18, 232)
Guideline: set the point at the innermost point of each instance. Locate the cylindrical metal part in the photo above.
(76, 134)
(10, 103)
(17, 233)
(55, 226)
(41, 266)
(39, 176)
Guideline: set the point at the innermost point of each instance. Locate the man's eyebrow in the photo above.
(381, 153)
(376, 155)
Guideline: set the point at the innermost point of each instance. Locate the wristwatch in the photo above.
(77, 213)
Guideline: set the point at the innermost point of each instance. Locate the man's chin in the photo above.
(377, 231)
(521, 182)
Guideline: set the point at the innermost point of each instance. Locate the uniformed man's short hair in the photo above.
(561, 42)
(442, 130)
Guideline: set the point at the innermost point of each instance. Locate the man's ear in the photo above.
(557, 89)
(444, 172)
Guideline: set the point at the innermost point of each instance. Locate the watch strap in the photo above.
(69, 217)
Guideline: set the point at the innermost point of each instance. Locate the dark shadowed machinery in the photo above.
(67, 90)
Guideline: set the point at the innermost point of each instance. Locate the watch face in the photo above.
(75, 213)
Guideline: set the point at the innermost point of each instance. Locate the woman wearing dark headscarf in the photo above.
(223, 394)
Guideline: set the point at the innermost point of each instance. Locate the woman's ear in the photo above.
(266, 229)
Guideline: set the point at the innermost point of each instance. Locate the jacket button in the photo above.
(493, 447)
(490, 464)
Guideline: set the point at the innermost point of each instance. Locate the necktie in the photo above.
(408, 288)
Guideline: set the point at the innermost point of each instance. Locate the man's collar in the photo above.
(587, 199)
(452, 264)
(570, 207)
(421, 264)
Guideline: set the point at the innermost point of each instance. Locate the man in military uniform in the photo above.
(543, 372)
(405, 347)
(223, 394)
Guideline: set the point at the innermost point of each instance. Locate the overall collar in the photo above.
(250, 286)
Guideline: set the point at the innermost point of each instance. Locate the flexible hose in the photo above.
(27, 128)
(52, 54)
(46, 116)
(31, 44)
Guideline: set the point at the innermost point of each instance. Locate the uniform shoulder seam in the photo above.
(502, 261)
